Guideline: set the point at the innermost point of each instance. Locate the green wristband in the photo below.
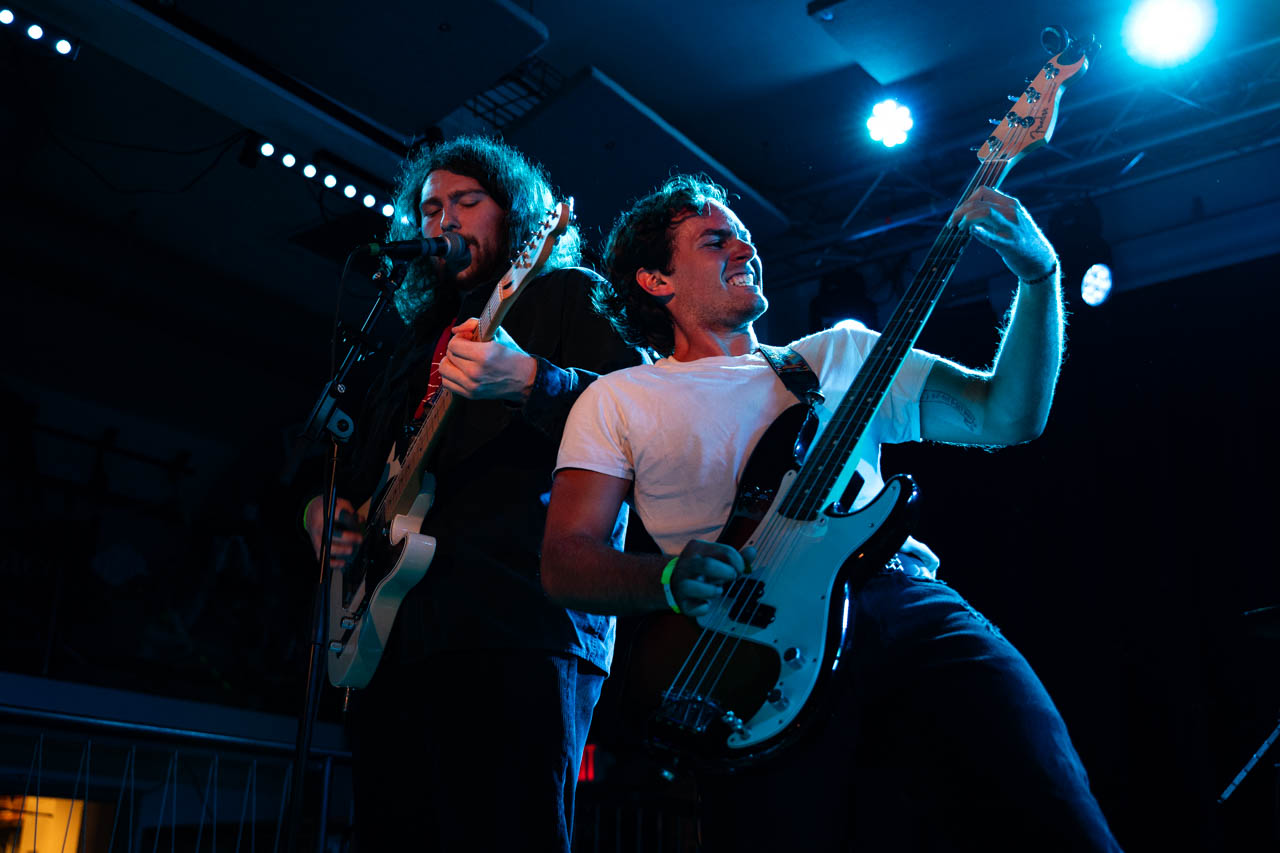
(666, 584)
(306, 509)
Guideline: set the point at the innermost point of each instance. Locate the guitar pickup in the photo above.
(745, 607)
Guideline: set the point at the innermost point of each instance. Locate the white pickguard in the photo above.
(799, 588)
(352, 660)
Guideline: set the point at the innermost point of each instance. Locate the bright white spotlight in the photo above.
(63, 47)
(288, 160)
(889, 123)
(330, 181)
(369, 201)
(850, 323)
(309, 170)
(35, 31)
(349, 191)
(388, 210)
(267, 149)
(1095, 287)
(6, 17)
(1161, 33)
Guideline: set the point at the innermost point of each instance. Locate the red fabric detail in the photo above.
(433, 380)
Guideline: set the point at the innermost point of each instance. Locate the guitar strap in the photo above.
(795, 373)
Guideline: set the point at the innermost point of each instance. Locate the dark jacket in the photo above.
(493, 470)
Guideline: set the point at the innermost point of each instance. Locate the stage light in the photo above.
(35, 31)
(288, 160)
(309, 170)
(267, 149)
(369, 201)
(1161, 33)
(388, 210)
(889, 123)
(63, 47)
(330, 181)
(1095, 287)
(349, 191)
(6, 17)
(1075, 229)
(850, 323)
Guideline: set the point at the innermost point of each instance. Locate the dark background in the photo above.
(169, 295)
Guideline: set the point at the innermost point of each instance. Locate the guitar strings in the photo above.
(772, 541)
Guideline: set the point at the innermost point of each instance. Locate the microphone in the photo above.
(450, 246)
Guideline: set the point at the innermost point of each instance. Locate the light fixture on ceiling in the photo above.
(1075, 230)
(1163, 33)
(889, 123)
(1095, 287)
(40, 34)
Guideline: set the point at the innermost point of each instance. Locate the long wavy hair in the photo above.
(519, 186)
(642, 238)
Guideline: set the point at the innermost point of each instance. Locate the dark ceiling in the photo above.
(168, 284)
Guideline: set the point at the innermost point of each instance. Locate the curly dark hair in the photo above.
(641, 238)
(518, 185)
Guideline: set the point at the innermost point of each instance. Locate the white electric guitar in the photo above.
(365, 596)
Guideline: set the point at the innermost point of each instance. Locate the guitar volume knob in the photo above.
(793, 657)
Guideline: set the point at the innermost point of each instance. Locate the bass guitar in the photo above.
(743, 681)
(394, 556)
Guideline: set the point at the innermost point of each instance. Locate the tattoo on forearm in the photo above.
(966, 414)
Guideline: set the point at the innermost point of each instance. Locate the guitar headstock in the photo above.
(534, 253)
(1030, 120)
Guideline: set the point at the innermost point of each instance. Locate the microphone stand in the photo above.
(327, 418)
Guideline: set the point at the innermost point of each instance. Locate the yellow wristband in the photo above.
(666, 584)
(306, 509)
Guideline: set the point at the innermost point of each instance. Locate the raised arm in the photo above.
(1009, 403)
(582, 571)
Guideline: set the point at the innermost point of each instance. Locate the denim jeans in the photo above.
(938, 736)
(471, 750)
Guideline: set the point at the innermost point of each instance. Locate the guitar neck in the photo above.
(830, 454)
(404, 488)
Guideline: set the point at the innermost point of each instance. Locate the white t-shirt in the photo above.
(683, 431)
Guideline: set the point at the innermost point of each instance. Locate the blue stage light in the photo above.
(369, 201)
(349, 191)
(388, 210)
(35, 31)
(63, 47)
(850, 323)
(330, 181)
(309, 170)
(267, 149)
(6, 16)
(1095, 287)
(889, 123)
(1161, 33)
(288, 160)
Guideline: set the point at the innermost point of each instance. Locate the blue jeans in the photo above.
(471, 750)
(939, 736)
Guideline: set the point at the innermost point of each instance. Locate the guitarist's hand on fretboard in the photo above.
(1001, 222)
(346, 531)
(487, 370)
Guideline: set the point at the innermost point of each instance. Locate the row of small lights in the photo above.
(289, 161)
(35, 32)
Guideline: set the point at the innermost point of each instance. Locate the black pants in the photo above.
(940, 737)
(471, 751)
